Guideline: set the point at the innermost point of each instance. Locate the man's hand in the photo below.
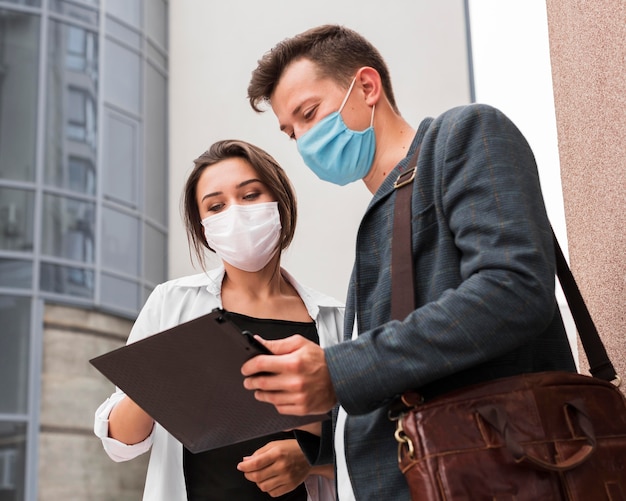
(295, 379)
(277, 468)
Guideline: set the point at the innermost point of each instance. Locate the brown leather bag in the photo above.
(541, 436)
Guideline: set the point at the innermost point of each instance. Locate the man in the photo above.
(482, 250)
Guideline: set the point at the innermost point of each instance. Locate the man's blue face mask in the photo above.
(336, 153)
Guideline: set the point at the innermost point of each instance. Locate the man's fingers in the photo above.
(283, 346)
(272, 363)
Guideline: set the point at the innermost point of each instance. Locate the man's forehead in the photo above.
(293, 90)
(298, 74)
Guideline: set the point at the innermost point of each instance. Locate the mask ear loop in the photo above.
(345, 99)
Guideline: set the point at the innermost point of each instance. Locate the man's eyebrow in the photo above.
(240, 185)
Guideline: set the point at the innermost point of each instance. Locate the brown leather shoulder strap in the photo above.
(599, 363)
(403, 287)
(402, 272)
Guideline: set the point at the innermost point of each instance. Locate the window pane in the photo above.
(16, 273)
(155, 170)
(146, 293)
(82, 175)
(155, 255)
(12, 461)
(77, 174)
(128, 11)
(19, 42)
(75, 11)
(14, 354)
(156, 21)
(34, 3)
(81, 116)
(156, 55)
(122, 32)
(122, 77)
(67, 280)
(71, 118)
(68, 228)
(120, 242)
(121, 158)
(119, 293)
(16, 219)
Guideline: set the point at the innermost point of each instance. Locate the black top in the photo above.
(213, 475)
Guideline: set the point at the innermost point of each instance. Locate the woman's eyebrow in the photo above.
(253, 180)
(240, 185)
(210, 195)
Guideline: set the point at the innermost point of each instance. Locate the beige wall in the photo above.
(72, 462)
(588, 52)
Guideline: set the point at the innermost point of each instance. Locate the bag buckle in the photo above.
(403, 441)
(405, 178)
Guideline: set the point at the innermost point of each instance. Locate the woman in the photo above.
(238, 203)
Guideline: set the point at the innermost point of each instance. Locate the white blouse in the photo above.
(171, 304)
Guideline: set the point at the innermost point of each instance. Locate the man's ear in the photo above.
(369, 81)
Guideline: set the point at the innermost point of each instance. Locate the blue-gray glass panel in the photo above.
(155, 166)
(155, 255)
(128, 11)
(12, 461)
(67, 280)
(122, 77)
(19, 55)
(71, 113)
(14, 354)
(30, 3)
(120, 242)
(68, 228)
(16, 273)
(16, 219)
(122, 32)
(74, 10)
(119, 293)
(120, 166)
(155, 55)
(156, 21)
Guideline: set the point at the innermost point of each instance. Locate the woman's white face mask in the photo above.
(245, 236)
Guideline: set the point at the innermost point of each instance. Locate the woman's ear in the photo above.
(371, 85)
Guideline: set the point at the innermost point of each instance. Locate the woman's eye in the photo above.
(252, 196)
(215, 208)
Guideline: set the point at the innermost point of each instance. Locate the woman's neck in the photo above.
(263, 294)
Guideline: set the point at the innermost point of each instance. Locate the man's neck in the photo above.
(392, 145)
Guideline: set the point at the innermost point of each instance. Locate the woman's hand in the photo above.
(277, 468)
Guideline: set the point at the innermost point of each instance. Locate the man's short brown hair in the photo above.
(338, 52)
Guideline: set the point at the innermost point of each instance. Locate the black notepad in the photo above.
(188, 378)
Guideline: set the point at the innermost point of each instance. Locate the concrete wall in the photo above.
(588, 55)
(72, 462)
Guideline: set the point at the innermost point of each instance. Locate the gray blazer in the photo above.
(484, 274)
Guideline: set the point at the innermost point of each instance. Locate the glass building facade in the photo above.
(83, 185)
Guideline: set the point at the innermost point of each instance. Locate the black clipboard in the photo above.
(188, 378)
